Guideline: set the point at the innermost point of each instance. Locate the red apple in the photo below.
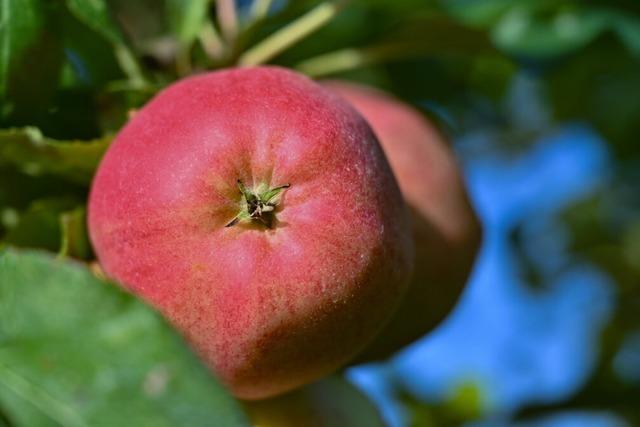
(446, 230)
(257, 211)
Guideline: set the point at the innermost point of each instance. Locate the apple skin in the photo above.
(446, 230)
(267, 309)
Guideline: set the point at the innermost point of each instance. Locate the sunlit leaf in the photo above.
(535, 28)
(36, 155)
(75, 351)
(463, 405)
(526, 30)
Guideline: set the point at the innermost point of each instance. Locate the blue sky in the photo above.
(517, 344)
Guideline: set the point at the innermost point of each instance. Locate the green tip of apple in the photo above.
(258, 205)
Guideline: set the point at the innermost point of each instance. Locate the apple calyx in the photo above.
(258, 204)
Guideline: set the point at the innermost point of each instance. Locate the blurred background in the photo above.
(541, 99)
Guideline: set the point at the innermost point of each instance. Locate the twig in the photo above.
(210, 40)
(227, 19)
(333, 62)
(288, 35)
(353, 58)
(129, 65)
(260, 9)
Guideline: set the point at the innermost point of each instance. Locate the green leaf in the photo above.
(186, 18)
(531, 30)
(90, 56)
(541, 28)
(424, 36)
(55, 223)
(480, 13)
(627, 28)
(74, 234)
(39, 226)
(30, 58)
(609, 75)
(96, 15)
(36, 155)
(270, 195)
(75, 351)
(18, 190)
(464, 405)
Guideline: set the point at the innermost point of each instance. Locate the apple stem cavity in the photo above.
(258, 205)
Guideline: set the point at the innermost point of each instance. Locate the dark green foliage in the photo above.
(76, 351)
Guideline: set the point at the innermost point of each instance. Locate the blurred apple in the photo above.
(446, 230)
(330, 402)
